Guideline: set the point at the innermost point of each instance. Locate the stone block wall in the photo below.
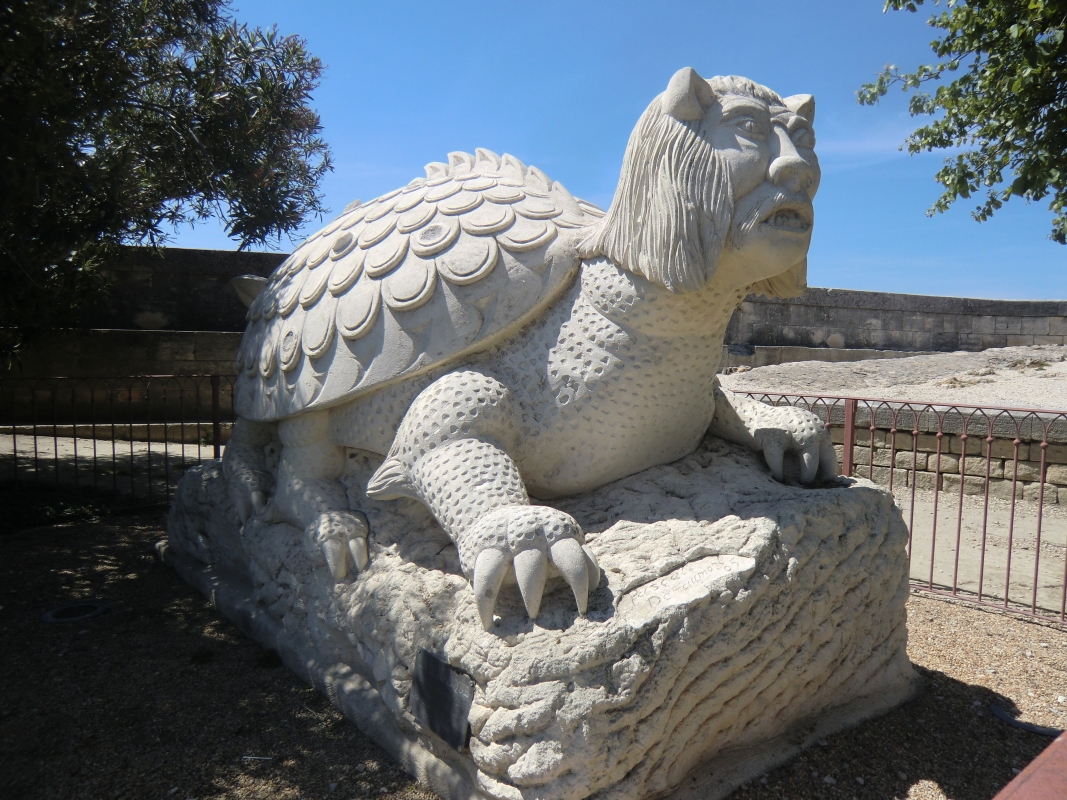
(840, 318)
(176, 289)
(119, 353)
(918, 463)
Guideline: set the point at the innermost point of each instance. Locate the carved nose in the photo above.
(789, 170)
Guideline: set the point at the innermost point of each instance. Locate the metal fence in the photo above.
(983, 490)
(132, 437)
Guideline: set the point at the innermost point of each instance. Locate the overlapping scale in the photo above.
(416, 217)
(411, 285)
(299, 258)
(385, 256)
(314, 286)
(357, 309)
(409, 200)
(504, 194)
(392, 251)
(487, 219)
(246, 360)
(343, 245)
(527, 234)
(435, 237)
(289, 351)
(333, 226)
(318, 330)
(355, 218)
(537, 208)
(376, 231)
(346, 271)
(319, 252)
(270, 308)
(460, 203)
(478, 183)
(437, 193)
(382, 208)
(470, 260)
(268, 350)
(289, 295)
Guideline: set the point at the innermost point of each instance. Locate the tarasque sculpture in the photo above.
(419, 369)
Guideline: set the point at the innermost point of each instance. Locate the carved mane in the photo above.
(674, 204)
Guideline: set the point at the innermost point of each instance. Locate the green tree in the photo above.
(1007, 110)
(123, 118)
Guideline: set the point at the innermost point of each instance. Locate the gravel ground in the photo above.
(1029, 377)
(161, 698)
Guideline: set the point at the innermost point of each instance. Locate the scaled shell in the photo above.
(501, 236)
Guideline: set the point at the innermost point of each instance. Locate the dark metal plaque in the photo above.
(441, 698)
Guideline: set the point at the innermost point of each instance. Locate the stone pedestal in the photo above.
(737, 620)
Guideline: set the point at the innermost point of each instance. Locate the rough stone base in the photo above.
(738, 620)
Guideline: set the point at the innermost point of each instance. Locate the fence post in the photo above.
(216, 416)
(849, 441)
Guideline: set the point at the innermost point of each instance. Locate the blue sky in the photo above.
(560, 86)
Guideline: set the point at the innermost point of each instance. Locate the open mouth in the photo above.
(789, 218)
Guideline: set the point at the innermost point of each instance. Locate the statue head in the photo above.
(718, 177)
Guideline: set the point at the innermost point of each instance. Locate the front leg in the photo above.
(774, 431)
(451, 453)
(310, 496)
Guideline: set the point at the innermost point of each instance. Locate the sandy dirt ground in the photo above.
(1024, 377)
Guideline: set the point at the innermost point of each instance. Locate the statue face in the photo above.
(769, 154)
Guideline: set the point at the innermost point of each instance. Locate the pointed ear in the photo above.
(802, 105)
(688, 96)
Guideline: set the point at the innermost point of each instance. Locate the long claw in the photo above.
(592, 566)
(489, 571)
(570, 558)
(774, 456)
(360, 557)
(259, 501)
(336, 558)
(809, 463)
(531, 571)
(827, 460)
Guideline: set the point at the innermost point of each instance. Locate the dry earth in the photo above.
(1028, 377)
(160, 698)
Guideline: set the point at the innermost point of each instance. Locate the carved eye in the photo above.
(751, 128)
(803, 137)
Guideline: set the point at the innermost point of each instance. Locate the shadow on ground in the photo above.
(158, 697)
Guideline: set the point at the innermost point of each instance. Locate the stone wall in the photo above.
(918, 463)
(841, 318)
(176, 289)
(118, 353)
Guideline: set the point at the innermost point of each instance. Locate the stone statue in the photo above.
(496, 339)
(482, 337)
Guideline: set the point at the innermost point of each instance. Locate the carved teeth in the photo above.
(789, 219)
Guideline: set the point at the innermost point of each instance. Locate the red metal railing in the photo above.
(995, 477)
(132, 437)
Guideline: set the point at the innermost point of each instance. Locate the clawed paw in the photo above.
(796, 430)
(249, 493)
(528, 538)
(341, 538)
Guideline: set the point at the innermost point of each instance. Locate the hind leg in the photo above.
(452, 453)
(310, 496)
